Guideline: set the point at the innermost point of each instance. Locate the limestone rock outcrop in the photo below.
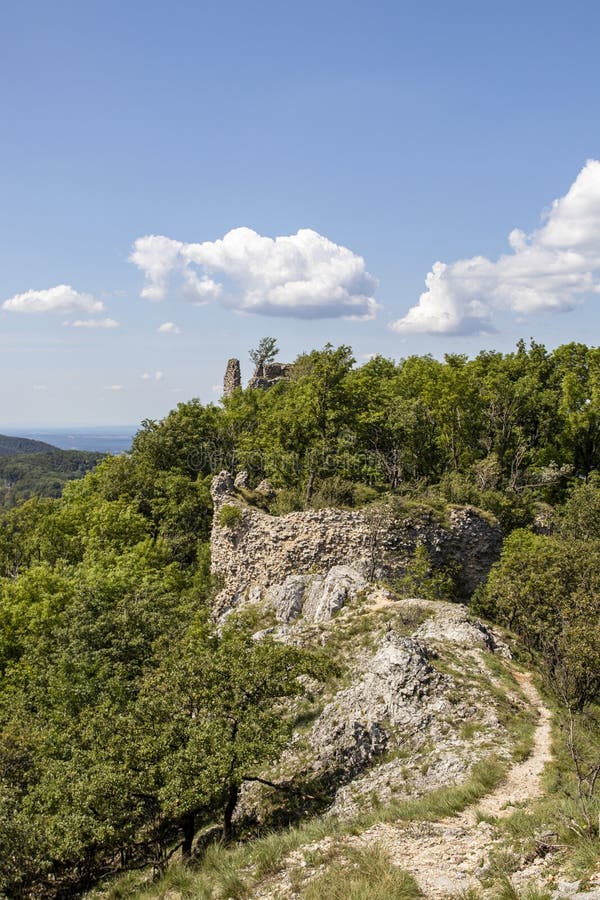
(399, 724)
(397, 690)
(315, 597)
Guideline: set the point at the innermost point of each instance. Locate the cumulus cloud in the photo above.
(303, 275)
(92, 323)
(169, 328)
(60, 299)
(549, 270)
(148, 376)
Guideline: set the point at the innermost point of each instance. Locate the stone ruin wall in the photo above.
(233, 377)
(261, 550)
(264, 376)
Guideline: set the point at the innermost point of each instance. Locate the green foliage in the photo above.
(421, 579)
(126, 715)
(220, 700)
(501, 431)
(127, 721)
(580, 515)
(265, 352)
(42, 474)
(230, 516)
(13, 446)
(547, 589)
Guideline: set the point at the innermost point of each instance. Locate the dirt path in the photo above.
(444, 857)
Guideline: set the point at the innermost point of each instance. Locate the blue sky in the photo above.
(401, 134)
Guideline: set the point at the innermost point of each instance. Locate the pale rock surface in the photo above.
(457, 627)
(264, 550)
(326, 595)
(287, 598)
(265, 488)
(242, 480)
(316, 597)
(399, 689)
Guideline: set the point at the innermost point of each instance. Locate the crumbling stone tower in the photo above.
(233, 377)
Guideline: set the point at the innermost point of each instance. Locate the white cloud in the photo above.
(549, 270)
(40, 387)
(303, 275)
(146, 376)
(169, 328)
(92, 323)
(158, 376)
(61, 299)
(113, 387)
(149, 376)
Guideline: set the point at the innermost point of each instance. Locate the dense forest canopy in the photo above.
(114, 683)
(42, 474)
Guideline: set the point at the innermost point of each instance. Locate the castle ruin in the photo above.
(265, 375)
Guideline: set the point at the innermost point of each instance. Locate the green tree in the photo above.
(265, 352)
(225, 713)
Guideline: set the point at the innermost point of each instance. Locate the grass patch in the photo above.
(446, 801)
(556, 818)
(468, 730)
(504, 890)
(365, 874)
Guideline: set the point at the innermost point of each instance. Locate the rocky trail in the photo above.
(445, 856)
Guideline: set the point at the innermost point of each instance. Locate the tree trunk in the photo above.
(188, 825)
(229, 808)
(309, 487)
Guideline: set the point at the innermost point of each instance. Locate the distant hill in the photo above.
(31, 473)
(9, 446)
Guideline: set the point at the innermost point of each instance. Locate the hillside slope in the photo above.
(429, 717)
(42, 474)
(10, 446)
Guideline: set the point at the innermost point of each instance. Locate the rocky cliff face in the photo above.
(255, 551)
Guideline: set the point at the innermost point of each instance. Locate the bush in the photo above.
(230, 516)
(422, 580)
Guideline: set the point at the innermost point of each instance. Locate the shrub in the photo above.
(230, 516)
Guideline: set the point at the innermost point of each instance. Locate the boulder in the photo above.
(329, 594)
(287, 598)
(394, 692)
(316, 597)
